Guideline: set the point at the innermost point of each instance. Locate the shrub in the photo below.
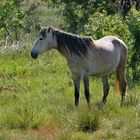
(88, 121)
(133, 22)
(15, 20)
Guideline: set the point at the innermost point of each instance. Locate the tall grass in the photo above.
(36, 100)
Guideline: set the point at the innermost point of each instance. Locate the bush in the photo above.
(15, 20)
(100, 25)
(88, 121)
(133, 22)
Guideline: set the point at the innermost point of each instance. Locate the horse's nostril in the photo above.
(34, 55)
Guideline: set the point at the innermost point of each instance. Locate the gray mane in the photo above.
(72, 43)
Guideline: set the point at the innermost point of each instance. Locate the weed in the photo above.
(88, 121)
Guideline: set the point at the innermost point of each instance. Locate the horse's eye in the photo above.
(41, 39)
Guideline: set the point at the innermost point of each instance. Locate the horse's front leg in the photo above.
(76, 90)
(86, 86)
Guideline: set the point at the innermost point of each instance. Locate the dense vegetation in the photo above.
(36, 96)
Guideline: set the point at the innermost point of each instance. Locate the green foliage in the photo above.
(10, 18)
(32, 21)
(100, 25)
(14, 20)
(77, 13)
(133, 22)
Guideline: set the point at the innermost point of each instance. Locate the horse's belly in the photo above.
(104, 63)
(95, 65)
(102, 70)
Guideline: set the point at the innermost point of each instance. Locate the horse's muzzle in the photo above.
(34, 55)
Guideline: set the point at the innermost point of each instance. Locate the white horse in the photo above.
(86, 57)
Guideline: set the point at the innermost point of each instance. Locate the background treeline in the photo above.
(96, 18)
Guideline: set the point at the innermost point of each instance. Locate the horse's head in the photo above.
(46, 41)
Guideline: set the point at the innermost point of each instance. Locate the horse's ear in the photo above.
(41, 29)
(49, 29)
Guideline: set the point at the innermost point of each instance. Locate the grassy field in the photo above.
(37, 102)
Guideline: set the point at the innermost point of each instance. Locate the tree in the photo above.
(133, 22)
(14, 21)
(77, 12)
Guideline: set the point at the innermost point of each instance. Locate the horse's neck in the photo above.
(63, 52)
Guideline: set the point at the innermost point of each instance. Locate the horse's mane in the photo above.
(70, 43)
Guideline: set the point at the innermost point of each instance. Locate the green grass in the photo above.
(37, 102)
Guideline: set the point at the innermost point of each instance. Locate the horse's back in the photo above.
(106, 55)
(112, 44)
(104, 42)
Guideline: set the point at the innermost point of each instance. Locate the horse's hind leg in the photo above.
(86, 86)
(123, 89)
(105, 88)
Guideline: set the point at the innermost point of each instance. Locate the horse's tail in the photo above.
(120, 71)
